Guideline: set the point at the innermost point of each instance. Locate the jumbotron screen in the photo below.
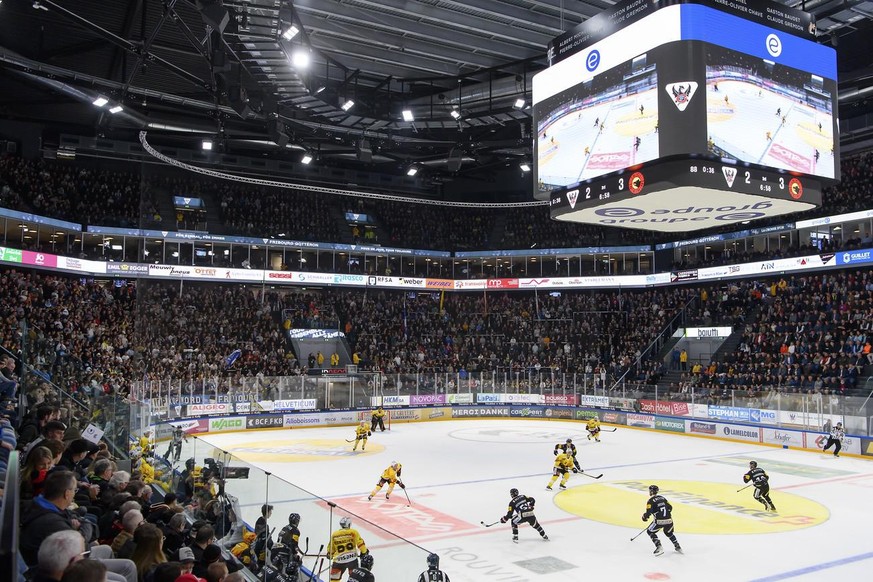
(744, 86)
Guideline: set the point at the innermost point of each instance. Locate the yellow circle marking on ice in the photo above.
(717, 109)
(821, 140)
(698, 507)
(300, 450)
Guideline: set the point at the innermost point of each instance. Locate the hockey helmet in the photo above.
(753, 464)
(345, 522)
(363, 423)
(653, 489)
(839, 425)
(395, 464)
(433, 561)
(189, 464)
(367, 561)
(294, 519)
(569, 441)
(513, 492)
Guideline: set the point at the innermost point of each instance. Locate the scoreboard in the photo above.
(683, 115)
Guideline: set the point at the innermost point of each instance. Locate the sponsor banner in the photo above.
(302, 420)
(486, 398)
(609, 160)
(662, 407)
(421, 399)
(560, 413)
(194, 426)
(355, 280)
(439, 284)
(304, 333)
(680, 276)
(407, 414)
(597, 401)
(644, 420)
(436, 414)
(566, 399)
(243, 407)
(169, 271)
(707, 332)
(697, 427)
(762, 416)
(614, 417)
(299, 404)
(728, 413)
(818, 441)
(867, 447)
(202, 409)
(477, 411)
(226, 423)
(628, 404)
(778, 436)
(586, 414)
(265, 421)
(836, 219)
(670, 424)
(807, 419)
(460, 398)
(8, 255)
(39, 259)
(851, 257)
(132, 269)
(345, 417)
(502, 284)
(477, 284)
(389, 401)
(528, 411)
(737, 432)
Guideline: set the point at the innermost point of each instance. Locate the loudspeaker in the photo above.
(214, 14)
(365, 153)
(238, 99)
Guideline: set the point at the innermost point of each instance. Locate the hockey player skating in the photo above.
(377, 419)
(521, 510)
(363, 572)
(570, 449)
(344, 547)
(361, 434)
(391, 476)
(836, 439)
(433, 572)
(662, 512)
(562, 468)
(593, 427)
(759, 478)
(175, 448)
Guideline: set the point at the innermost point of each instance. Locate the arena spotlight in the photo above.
(306, 159)
(407, 115)
(206, 145)
(455, 114)
(100, 101)
(290, 32)
(520, 103)
(348, 105)
(116, 109)
(525, 167)
(413, 170)
(300, 58)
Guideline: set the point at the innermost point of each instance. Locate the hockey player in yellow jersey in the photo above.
(593, 427)
(377, 419)
(562, 468)
(391, 476)
(345, 546)
(361, 434)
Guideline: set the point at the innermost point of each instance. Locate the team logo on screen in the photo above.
(795, 188)
(592, 61)
(572, 197)
(729, 175)
(774, 45)
(636, 183)
(682, 92)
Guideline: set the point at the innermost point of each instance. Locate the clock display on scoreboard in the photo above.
(739, 102)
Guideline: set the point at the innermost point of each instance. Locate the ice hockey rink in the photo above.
(458, 473)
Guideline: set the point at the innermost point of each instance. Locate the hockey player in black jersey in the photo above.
(362, 572)
(570, 449)
(659, 508)
(759, 478)
(835, 439)
(290, 535)
(521, 510)
(433, 572)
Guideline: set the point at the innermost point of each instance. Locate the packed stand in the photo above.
(811, 335)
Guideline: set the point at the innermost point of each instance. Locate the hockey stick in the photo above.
(639, 534)
(591, 476)
(351, 441)
(408, 501)
(744, 488)
(607, 429)
(489, 524)
(315, 564)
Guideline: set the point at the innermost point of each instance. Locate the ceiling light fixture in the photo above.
(100, 101)
(413, 170)
(306, 159)
(206, 145)
(407, 115)
(348, 105)
(455, 114)
(300, 59)
(520, 103)
(525, 167)
(116, 109)
(290, 32)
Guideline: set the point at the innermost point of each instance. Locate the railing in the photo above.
(9, 521)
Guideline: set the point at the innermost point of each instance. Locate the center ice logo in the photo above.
(681, 93)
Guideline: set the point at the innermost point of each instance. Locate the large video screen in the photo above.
(765, 113)
(593, 128)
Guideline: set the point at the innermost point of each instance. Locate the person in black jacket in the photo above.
(48, 514)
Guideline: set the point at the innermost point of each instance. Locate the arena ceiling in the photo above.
(159, 60)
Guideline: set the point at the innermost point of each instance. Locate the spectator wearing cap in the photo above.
(85, 571)
(51, 430)
(73, 455)
(149, 550)
(186, 559)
